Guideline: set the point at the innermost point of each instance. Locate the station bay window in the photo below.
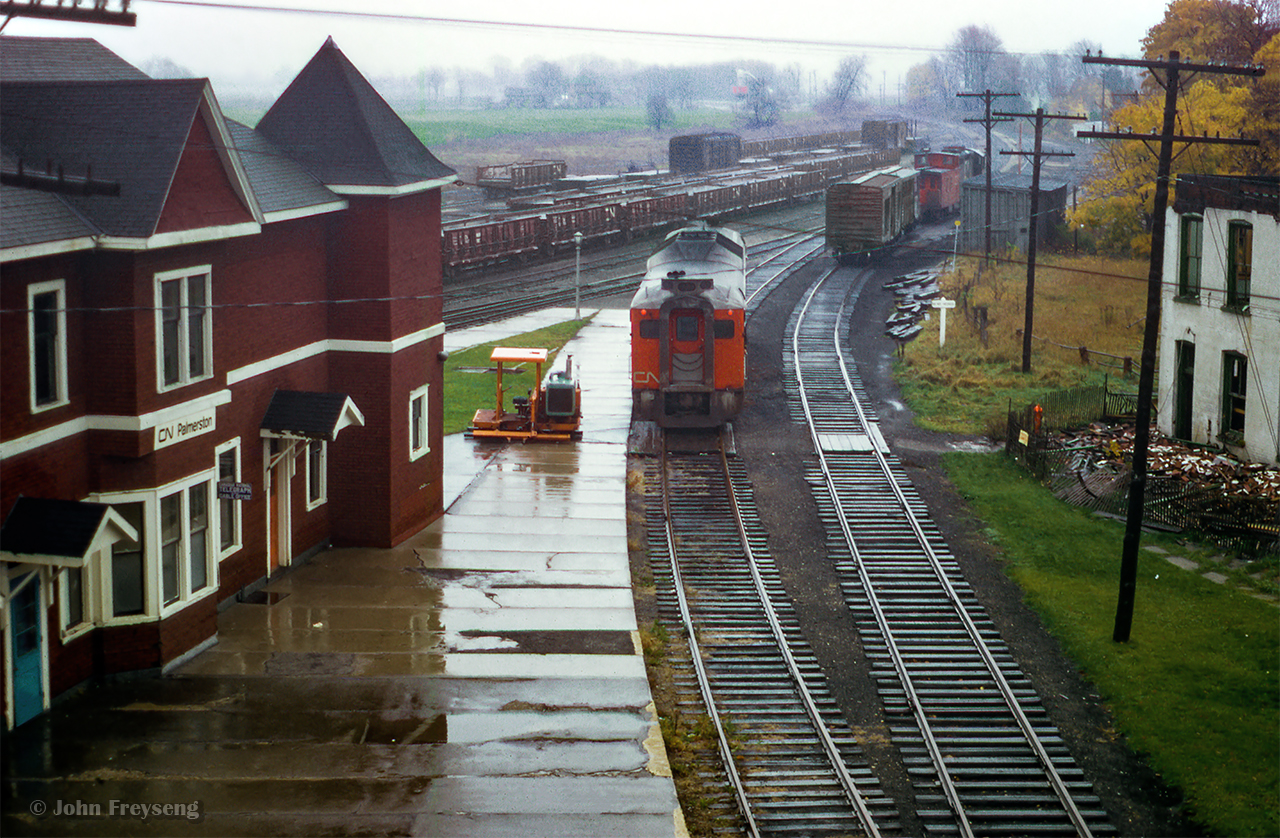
(228, 508)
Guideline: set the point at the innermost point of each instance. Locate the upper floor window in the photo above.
(184, 339)
(47, 344)
(1189, 257)
(1239, 263)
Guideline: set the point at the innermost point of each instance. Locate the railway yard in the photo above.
(847, 667)
(831, 642)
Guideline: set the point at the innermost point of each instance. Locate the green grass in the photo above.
(1197, 687)
(437, 127)
(465, 392)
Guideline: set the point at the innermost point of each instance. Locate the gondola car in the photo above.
(871, 211)
(688, 352)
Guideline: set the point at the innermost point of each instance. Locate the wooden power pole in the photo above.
(988, 121)
(1173, 68)
(1033, 230)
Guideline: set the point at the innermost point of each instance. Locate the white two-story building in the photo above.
(1219, 380)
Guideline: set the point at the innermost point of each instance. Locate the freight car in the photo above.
(544, 225)
(688, 348)
(692, 153)
(885, 133)
(939, 177)
(871, 211)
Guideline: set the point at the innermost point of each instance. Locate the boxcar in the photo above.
(869, 212)
(692, 153)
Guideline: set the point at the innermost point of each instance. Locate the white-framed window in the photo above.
(184, 334)
(75, 603)
(229, 530)
(419, 443)
(173, 563)
(317, 473)
(47, 344)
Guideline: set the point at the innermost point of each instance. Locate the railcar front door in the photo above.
(687, 350)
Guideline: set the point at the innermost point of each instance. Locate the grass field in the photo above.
(439, 127)
(1196, 689)
(466, 391)
(966, 387)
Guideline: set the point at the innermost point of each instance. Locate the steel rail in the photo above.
(913, 699)
(951, 793)
(993, 667)
(699, 664)
(810, 705)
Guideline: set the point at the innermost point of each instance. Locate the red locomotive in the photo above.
(688, 349)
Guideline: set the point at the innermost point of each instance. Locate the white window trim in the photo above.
(184, 376)
(324, 474)
(238, 539)
(153, 605)
(425, 448)
(58, 286)
(90, 604)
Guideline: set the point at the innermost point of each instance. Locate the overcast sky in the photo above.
(230, 42)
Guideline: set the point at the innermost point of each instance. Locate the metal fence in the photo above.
(1248, 523)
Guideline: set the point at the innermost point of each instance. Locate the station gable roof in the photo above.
(332, 121)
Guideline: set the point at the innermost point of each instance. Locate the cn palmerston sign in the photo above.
(186, 427)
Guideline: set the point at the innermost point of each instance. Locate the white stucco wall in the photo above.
(1255, 334)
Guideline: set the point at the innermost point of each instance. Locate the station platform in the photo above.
(485, 678)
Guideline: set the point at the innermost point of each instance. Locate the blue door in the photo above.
(28, 690)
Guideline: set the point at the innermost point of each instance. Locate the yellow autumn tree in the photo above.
(1121, 187)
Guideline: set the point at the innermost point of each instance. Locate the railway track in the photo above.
(788, 757)
(605, 273)
(983, 756)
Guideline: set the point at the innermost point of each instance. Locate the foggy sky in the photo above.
(233, 45)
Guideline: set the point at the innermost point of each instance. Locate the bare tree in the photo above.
(849, 81)
(976, 53)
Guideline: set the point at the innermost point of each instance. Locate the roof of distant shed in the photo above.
(1014, 182)
(332, 121)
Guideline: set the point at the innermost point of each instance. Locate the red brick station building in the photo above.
(220, 351)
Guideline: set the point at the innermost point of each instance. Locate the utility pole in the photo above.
(988, 121)
(1033, 231)
(1155, 276)
(97, 12)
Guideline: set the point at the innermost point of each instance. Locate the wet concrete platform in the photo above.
(482, 679)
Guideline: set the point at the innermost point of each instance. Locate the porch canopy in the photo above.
(62, 533)
(301, 414)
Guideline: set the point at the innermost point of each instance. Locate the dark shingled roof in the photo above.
(277, 182)
(62, 59)
(1193, 193)
(304, 414)
(332, 121)
(38, 526)
(127, 131)
(32, 217)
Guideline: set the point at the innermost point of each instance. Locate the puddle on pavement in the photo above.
(264, 598)
(406, 731)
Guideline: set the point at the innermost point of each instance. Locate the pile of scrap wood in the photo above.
(1111, 450)
(912, 293)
